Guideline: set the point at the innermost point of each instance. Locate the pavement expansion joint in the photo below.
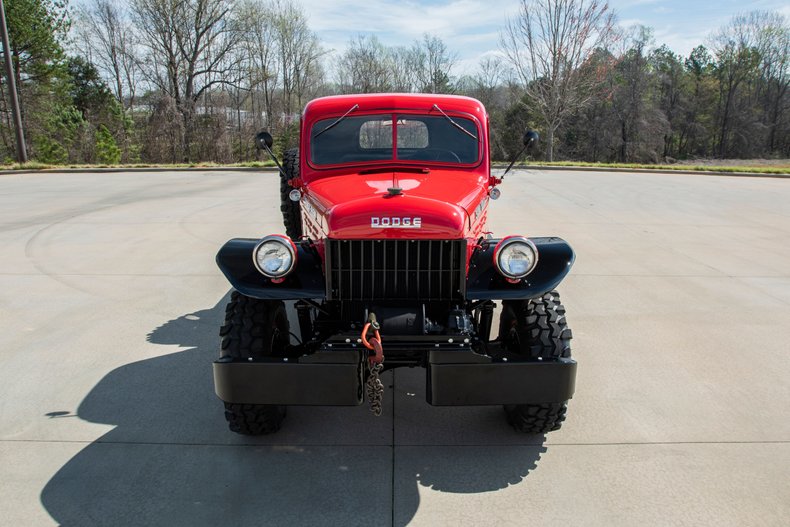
(393, 445)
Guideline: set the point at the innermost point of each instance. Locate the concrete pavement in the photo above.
(110, 303)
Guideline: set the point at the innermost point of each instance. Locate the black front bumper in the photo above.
(452, 380)
(454, 377)
(321, 379)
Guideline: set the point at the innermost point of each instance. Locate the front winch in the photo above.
(373, 386)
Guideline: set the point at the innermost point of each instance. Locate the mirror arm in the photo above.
(513, 162)
(274, 158)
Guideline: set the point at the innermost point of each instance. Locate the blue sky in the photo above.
(471, 27)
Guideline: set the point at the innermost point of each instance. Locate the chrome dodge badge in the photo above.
(389, 222)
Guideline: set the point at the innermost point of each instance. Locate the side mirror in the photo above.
(264, 140)
(531, 138)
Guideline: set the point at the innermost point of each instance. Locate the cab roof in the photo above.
(370, 102)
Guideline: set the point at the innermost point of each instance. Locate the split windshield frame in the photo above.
(395, 114)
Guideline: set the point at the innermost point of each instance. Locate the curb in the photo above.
(647, 171)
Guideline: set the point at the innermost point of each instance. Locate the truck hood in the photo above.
(431, 205)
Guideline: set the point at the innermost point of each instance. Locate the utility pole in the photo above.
(21, 151)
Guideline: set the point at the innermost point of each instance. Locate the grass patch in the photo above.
(35, 165)
(640, 166)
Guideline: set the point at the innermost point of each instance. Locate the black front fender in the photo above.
(305, 281)
(555, 258)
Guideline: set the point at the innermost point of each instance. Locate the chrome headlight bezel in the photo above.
(510, 241)
(286, 243)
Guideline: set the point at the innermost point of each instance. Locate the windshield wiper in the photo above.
(464, 130)
(337, 121)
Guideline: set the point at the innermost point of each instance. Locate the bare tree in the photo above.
(259, 47)
(189, 44)
(488, 79)
(673, 87)
(404, 66)
(433, 64)
(639, 120)
(737, 62)
(769, 33)
(547, 43)
(300, 54)
(109, 42)
(365, 66)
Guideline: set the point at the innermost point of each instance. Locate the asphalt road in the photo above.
(110, 303)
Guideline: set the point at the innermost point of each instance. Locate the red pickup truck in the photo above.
(386, 262)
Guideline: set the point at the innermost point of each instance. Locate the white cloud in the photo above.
(471, 28)
(407, 19)
(468, 27)
(631, 22)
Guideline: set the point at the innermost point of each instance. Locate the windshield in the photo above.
(416, 138)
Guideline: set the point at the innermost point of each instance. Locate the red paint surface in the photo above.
(339, 201)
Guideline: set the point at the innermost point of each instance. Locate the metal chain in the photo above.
(375, 389)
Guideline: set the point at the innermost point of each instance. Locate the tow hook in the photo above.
(377, 357)
(374, 387)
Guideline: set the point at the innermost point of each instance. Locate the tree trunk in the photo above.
(241, 155)
(188, 116)
(775, 112)
(550, 143)
(725, 121)
(624, 145)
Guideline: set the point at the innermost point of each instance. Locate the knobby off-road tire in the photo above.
(292, 214)
(253, 329)
(536, 328)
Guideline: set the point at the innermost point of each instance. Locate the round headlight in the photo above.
(274, 256)
(515, 257)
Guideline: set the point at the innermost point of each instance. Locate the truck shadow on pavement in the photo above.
(170, 460)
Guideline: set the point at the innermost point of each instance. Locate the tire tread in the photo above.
(536, 328)
(247, 333)
(291, 210)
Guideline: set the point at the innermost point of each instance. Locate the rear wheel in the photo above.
(292, 213)
(253, 329)
(536, 329)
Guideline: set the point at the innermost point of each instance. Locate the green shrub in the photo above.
(50, 151)
(107, 151)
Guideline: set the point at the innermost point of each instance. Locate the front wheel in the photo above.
(536, 329)
(292, 211)
(253, 329)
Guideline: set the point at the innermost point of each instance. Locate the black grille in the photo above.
(396, 269)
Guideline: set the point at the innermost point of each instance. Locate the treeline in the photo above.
(170, 81)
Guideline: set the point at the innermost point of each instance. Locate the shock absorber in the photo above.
(486, 318)
(305, 322)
